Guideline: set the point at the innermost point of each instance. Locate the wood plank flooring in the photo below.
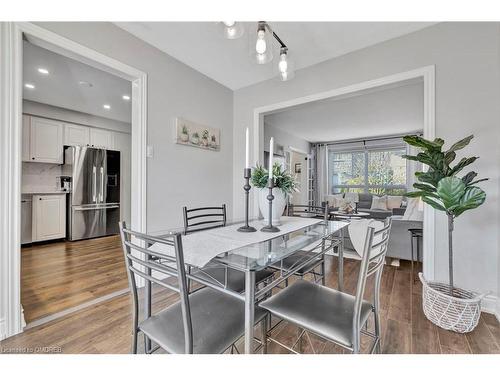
(106, 328)
(59, 275)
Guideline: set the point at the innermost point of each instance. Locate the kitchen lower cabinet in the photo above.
(49, 217)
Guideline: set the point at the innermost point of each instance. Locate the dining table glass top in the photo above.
(261, 251)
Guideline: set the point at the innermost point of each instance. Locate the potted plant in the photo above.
(440, 187)
(195, 138)
(213, 142)
(184, 134)
(284, 184)
(204, 138)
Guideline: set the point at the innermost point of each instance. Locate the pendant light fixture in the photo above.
(261, 43)
(232, 29)
(261, 38)
(285, 66)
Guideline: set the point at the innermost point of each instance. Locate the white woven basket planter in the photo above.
(459, 313)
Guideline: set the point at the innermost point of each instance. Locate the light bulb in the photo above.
(231, 32)
(261, 46)
(229, 23)
(284, 76)
(283, 64)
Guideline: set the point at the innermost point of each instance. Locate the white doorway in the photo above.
(11, 37)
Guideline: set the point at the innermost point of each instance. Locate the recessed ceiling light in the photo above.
(126, 97)
(85, 84)
(43, 71)
(29, 86)
(106, 106)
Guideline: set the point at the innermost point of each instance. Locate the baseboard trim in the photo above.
(489, 305)
(3, 329)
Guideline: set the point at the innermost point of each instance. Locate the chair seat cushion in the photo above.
(294, 259)
(216, 273)
(318, 309)
(218, 320)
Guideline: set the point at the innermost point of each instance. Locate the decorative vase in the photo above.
(195, 140)
(279, 204)
(184, 137)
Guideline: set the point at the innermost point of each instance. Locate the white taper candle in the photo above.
(247, 150)
(271, 152)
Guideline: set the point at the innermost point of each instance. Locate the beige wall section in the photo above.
(466, 56)
(177, 175)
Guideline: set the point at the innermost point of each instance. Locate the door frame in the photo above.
(11, 47)
(427, 74)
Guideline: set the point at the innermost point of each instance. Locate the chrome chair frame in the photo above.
(370, 265)
(149, 261)
(320, 211)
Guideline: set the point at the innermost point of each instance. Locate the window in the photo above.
(376, 171)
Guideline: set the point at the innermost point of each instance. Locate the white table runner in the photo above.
(201, 247)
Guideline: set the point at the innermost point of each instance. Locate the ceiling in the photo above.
(202, 46)
(388, 110)
(61, 86)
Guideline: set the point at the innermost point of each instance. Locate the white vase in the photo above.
(279, 204)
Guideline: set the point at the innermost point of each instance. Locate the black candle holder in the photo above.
(270, 227)
(247, 174)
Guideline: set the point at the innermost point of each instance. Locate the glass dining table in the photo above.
(313, 241)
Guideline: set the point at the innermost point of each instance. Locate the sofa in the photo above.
(364, 205)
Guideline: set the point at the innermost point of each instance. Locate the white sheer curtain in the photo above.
(322, 177)
(412, 167)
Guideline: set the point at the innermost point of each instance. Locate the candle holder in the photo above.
(270, 227)
(247, 174)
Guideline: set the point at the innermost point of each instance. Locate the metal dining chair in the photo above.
(336, 316)
(205, 321)
(290, 262)
(204, 218)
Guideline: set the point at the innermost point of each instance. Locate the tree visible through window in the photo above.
(374, 171)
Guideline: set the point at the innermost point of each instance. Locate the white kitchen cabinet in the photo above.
(46, 141)
(102, 138)
(49, 217)
(76, 135)
(25, 147)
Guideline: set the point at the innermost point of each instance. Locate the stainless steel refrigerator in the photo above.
(94, 199)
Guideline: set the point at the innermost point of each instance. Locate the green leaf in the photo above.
(461, 144)
(462, 164)
(424, 187)
(472, 198)
(416, 194)
(480, 180)
(449, 156)
(433, 203)
(467, 179)
(450, 191)
(415, 140)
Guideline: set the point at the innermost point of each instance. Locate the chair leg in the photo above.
(134, 342)
(263, 327)
(323, 273)
(376, 319)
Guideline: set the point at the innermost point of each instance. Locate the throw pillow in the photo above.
(414, 210)
(394, 201)
(379, 203)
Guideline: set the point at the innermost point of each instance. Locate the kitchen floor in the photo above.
(57, 276)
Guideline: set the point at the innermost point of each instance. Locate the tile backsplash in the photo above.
(40, 177)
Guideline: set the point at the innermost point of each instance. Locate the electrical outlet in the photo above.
(149, 151)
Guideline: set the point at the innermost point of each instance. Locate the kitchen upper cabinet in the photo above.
(49, 217)
(76, 135)
(102, 138)
(46, 141)
(25, 156)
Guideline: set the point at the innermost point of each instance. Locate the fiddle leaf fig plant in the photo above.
(440, 187)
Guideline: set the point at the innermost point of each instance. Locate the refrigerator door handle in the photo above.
(94, 208)
(102, 185)
(94, 186)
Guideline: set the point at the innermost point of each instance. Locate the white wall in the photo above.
(466, 56)
(67, 115)
(177, 175)
(284, 139)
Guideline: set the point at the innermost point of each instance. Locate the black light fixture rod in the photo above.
(263, 24)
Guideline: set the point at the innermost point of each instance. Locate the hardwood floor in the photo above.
(105, 328)
(60, 275)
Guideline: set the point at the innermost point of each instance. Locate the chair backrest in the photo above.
(304, 209)
(202, 218)
(372, 262)
(141, 261)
